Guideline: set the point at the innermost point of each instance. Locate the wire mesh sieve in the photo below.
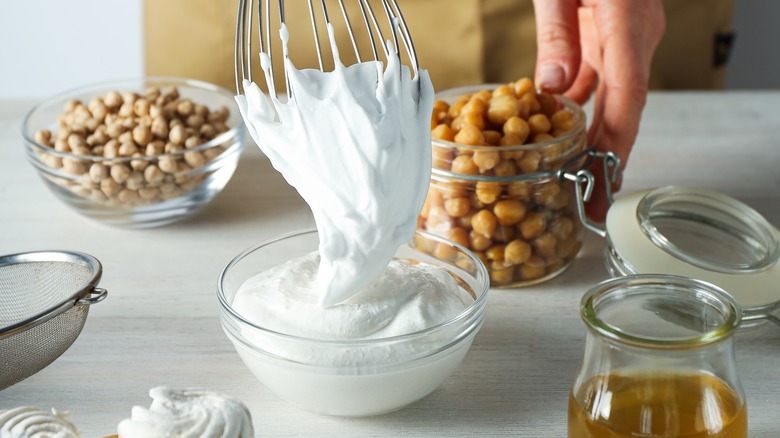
(44, 301)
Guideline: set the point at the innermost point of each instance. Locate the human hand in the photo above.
(604, 46)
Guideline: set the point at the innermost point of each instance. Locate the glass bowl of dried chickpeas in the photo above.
(499, 155)
(136, 153)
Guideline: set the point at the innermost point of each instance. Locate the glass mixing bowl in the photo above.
(145, 187)
(302, 370)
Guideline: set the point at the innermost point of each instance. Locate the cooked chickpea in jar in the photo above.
(495, 187)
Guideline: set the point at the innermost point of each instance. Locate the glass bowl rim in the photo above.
(233, 132)
(476, 307)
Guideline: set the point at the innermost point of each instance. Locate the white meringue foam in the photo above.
(355, 143)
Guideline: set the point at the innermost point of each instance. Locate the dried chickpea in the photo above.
(192, 142)
(168, 164)
(523, 86)
(478, 241)
(533, 225)
(139, 164)
(528, 272)
(529, 162)
(561, 227)
(445, 252)
(545, 245)
(148, 193)
(127, 149)
(492, 138)
(201, 110)
(511, 140)
(459, 235)
(120, 173)
(177, 134)
(475, 202)
(127, 196)
(457, 207)
(185, 107)
(194, 159)
(476, 106)
(470, 135)
(113, 100)
(110, 187)
(519, 189)
(486, 159)
(545, 194)
(207, 131)
(451, 190)
(532, 103)
(456, 107)
(195, 121)
(464, 164)
(465, 220)
(517, 127)
(484, 222)
(487, 192)
(562, 120)
(52, 161)
(439, 107)
(443, 132)
(506, 167)
(502, 276)
(501, 108)
(539, 124)
(468, 118)
(73, 166)
(543, 138)
(517, 252)
(553, 151)
(98, 172)
(43, 137)
(141, 107)
(483, 95)
(495, 252)
(503, 234)
(509, 211)
(502, 90)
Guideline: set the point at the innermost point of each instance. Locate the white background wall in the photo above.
(48, 46)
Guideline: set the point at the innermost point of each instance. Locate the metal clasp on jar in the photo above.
(575, 170)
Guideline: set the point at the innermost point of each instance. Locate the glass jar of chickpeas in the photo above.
(500, 154)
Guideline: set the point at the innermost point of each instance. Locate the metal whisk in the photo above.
(244, 32)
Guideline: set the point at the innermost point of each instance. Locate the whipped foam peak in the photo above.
(188, 413)
(31, 422)
(355, 143)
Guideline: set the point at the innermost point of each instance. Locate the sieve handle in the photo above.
(96, 295)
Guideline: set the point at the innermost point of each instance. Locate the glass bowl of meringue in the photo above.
(391, 344)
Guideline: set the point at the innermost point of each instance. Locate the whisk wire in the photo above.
(245, 30)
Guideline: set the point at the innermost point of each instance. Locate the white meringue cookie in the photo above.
(31, 422)
(188, 413)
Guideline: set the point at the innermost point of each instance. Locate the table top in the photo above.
(160, 325)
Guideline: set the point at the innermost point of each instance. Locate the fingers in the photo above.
(629, 34)
(584, 85)
(558, 44)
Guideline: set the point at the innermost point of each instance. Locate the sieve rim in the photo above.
(90, 286)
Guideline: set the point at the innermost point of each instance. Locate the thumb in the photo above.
(558, 44)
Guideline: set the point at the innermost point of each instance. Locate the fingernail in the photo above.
(551, 76)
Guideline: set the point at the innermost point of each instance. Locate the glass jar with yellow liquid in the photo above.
(658, 362)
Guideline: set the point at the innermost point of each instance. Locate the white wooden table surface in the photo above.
(159, 324)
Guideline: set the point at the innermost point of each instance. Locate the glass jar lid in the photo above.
(698, 234)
